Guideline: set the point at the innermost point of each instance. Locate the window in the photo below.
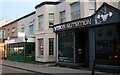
(107, 46)
(66, 47)
(41, 46)
(109, 32)
(51, 19)
(62, 16)
(13, 31)
(119, 4)
(8, 32)
(100, 33)
(75, 10)
(92, 6)
(40, 22)
(31, 27)
(22, 28)
(51, 46)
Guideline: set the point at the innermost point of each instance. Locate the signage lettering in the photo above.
(73, 24)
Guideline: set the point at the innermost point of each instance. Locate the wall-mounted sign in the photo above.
(9, 41)
(21, 34)
(74, 24)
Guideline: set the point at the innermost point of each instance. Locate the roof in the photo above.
(46, 2)
(20, 18)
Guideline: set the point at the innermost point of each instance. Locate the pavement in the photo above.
(51, 70)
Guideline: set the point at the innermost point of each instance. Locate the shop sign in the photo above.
(9, 41)
(72, 25)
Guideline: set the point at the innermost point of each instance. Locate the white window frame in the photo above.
(51, 47)
(75, 10)
(40, 50)
(92, 6)
(40, 22)
(62, 16)
(23, 28)
(51, 19)
(31, 27)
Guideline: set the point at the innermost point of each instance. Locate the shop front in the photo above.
(20, 50)
(2, 50)
(96, 36)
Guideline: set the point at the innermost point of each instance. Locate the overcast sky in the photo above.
(14, 9)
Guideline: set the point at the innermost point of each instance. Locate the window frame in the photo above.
(51, 46)
(75, 12)
(62, 16)
(40, 50)
(50, 25)
(40, 22)
(31, 25)
(23, 28)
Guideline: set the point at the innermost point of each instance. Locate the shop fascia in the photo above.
(18, 40)
(75, 24)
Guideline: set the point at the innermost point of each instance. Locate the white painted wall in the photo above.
(26, 21)
(46, 33)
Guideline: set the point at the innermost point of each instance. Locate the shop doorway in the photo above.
(81, 46)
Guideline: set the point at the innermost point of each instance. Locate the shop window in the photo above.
(109, 32)
(40, 22)
(107, 46)
(118, 30)
(62, 16)
(66, 47)
(75, 10)
(51, 19)
(41, 46)
(51, 46)
(100, 33)
(21, 49)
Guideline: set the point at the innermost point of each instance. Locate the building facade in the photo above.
(26, 25)
(10, 30)
(45, 38)
(82, 40)
(22, 46)
(2, 45)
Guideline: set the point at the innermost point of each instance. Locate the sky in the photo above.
(14, 9)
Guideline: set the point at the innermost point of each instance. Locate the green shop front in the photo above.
(97, 37)
(19, 49)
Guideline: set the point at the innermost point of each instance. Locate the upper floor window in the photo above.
(62, 16)
(3, 34)
(22, 28)
(92, 6)
(119, 4)
(13, 31)
(40, 22)
(75, 10)
(31, 27)
(8, 32)
(51, 19)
